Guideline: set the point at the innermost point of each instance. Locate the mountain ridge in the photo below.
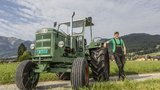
(9, 46)
(141, 42)
(134, 42)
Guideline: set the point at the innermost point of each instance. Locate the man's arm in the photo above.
(125, 50)
(124, 47)
(106, 43)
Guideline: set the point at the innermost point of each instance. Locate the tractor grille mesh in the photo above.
(43, 41)
(46, 44)
(42, 37)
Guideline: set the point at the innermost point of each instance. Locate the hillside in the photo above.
(9, 45)
(141, 42)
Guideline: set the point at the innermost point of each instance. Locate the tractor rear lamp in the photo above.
(61, 44)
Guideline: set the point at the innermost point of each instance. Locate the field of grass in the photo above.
(7, 70)
(125, 85)
(7, 74)
(137, 67)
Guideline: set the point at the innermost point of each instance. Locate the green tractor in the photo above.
(67, 55)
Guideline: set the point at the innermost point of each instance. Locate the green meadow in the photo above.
(125, 85)
(7, 70)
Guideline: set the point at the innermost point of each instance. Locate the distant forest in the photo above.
(142, 43)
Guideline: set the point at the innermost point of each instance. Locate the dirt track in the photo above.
(65, 85)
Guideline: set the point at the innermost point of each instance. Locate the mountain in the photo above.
(9, 46)
(136, 42)
(142, 42)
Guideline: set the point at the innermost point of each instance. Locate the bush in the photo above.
(26, 56)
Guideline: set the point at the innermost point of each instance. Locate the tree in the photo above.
(21, 50)
(26, 55)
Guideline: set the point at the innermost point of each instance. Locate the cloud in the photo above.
(24, 17)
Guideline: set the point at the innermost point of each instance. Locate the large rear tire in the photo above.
(26, 78)
(79, 73)
(100, 65)
(64, 76)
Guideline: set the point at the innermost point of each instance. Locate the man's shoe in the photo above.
(123, 77)
(119, 78)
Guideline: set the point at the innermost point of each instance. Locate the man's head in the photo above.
(116, 34)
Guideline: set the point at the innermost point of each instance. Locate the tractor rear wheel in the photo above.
(79, 73)
(100, 64)
(64, 76)
(26, 78)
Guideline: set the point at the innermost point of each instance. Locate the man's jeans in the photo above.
(120, 61)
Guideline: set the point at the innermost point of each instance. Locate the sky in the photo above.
(22, 18)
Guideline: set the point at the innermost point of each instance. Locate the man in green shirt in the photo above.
(119, 52)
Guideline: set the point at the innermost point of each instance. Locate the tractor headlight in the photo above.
(61, 44)
(32, 46)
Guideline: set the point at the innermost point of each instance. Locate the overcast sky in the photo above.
(21, 18)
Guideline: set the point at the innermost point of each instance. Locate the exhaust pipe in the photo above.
(71, 29)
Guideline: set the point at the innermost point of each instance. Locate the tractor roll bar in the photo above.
(87, 22)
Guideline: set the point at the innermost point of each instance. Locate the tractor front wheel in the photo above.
(26, 78)
(79, 73)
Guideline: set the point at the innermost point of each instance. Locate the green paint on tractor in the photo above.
(66, 54)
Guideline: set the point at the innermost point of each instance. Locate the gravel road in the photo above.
(65, 85)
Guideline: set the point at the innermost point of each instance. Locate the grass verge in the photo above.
(125, 85)
(7, 70)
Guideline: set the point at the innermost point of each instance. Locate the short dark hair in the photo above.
(116, 33)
